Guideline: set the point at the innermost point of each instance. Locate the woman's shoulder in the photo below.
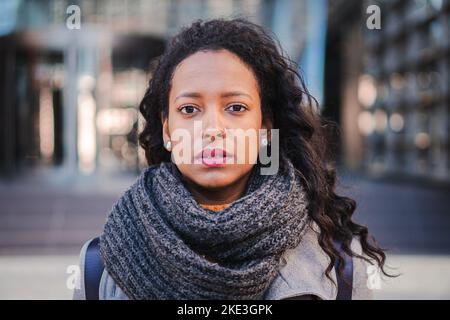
(302, 271)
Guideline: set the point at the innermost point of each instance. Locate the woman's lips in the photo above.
(214, 157)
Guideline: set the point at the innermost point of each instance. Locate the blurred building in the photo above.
(389, 87)
(69, 97)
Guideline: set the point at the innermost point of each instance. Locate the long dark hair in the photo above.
(286, 101)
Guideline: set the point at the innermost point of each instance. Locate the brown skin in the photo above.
(211, 74)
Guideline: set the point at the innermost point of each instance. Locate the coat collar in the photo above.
(303, 271)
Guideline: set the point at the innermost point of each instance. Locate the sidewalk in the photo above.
(424, 277)
(35, 277)
(55, 216)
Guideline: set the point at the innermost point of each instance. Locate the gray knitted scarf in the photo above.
(156, 237)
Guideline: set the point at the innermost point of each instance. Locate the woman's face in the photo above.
(214, 92)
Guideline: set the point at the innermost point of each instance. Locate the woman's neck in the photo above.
(218, 196)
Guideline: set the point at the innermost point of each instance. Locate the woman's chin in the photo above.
(213, 178)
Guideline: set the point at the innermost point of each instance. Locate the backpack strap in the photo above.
(344, 282)
(93, 269)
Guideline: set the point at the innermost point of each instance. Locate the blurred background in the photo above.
(69, 122)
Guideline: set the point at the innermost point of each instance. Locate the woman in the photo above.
(209, 219)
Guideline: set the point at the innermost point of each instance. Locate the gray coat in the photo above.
(302, 274)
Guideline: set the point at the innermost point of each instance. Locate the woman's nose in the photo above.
(213, 126)
(213, 134)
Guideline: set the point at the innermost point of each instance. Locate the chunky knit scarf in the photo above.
(157, 237)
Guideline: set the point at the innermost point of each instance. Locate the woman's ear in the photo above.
(165, 128)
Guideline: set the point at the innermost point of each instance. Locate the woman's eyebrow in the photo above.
(235, 93)
(223, 95)
(188, 95)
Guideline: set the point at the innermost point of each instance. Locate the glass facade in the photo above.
(395, 97)
(409, 64)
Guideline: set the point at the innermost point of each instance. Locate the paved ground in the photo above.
(423, 277)
(35, 277)
(55, 217)
(405, 217)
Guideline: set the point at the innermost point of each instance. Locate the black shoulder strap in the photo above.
(93, 269)
(344, 288)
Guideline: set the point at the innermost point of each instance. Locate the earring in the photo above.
(264, 142)
(168, 145)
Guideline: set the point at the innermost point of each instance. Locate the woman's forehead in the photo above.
(214, 70)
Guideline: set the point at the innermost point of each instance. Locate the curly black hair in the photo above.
(285, 100)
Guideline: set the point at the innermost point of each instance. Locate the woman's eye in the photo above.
(236, 108)
(188, 109)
